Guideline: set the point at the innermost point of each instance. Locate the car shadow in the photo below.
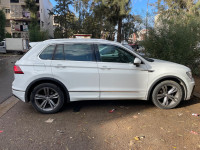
(192, 101)
(112, 104)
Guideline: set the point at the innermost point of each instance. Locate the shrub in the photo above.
(176, 39)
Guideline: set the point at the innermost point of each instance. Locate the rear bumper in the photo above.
(19, 94)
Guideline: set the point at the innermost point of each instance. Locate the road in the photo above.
(6, 75)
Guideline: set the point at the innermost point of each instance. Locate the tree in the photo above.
(32, 7)
(118, 11)
(189, 6)
(2, 25)
(65, 18)
(109, 13)
(176, 36)
(34, 28)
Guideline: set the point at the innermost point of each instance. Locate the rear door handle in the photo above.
(60, 66)
(104, 67)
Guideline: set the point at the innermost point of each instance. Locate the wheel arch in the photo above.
(173, 78)
(46, 80)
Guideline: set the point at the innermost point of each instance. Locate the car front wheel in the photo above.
(47, 98)
(167, 94)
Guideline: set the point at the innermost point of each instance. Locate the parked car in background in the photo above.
(68, 70)
(3, 47)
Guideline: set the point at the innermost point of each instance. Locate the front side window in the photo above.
(47, 53)
(110, 53)
(79, 52)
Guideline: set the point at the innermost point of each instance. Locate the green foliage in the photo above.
(32, 7)
(36, 35)
(94, 17)
(118, 10)
(65, 18)
(2, 25)
(8, 35)
(176, 38)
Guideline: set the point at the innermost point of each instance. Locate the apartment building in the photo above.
(18, 17)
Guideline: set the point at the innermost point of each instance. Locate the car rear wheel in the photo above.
(167, 94)
(47, 98)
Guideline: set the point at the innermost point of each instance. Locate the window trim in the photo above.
(98, 54)
(56, 50)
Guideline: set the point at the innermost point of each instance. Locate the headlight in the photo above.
(189, 74)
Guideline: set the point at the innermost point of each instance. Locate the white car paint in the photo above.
(97, 80)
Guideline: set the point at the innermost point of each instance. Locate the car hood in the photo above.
(167, 65)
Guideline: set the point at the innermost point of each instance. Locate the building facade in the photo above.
(18, 17)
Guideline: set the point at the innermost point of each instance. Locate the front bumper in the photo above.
(19, 94)
(190, 89)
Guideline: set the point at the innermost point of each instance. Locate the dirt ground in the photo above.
(134, 125)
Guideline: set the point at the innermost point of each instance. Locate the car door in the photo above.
(75, 66)
(119, 77)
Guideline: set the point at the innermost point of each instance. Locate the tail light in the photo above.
(17, 70)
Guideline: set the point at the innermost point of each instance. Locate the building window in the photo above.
(8, 23)
(7, 11)
(14, 1)
(37, 1)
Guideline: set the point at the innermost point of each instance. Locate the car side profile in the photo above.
(66, 70)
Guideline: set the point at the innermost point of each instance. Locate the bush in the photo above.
(36, 35)
(8, 35)
(176, 39)
(2, 25)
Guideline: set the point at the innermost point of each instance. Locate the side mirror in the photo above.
(137, 62)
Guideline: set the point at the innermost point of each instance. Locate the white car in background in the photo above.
(67, 70)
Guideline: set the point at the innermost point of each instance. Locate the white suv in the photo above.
(67, 70)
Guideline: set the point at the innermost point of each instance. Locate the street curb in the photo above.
(7, 105)
(196, 94)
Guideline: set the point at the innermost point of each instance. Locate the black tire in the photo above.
(47, 94)
(167, 94)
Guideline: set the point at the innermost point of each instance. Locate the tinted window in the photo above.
(47, 53)
(1, 43)
(14, 1)
(79, 52)
(59, 53)
(110, 53)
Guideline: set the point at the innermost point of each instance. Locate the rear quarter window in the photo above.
(47, 53)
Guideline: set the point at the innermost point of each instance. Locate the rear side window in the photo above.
(79, 52)
(47, 53)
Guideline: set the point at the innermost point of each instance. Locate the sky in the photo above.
(139, 7)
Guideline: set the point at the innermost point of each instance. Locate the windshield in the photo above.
(139, 53)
